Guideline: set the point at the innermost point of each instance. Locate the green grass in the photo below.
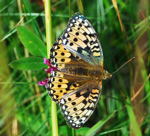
(123, 30)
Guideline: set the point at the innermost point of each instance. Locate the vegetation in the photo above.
(25, 31)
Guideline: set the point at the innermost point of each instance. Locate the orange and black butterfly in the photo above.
(75, 82)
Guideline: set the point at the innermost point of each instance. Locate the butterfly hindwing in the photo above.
(81, 39)
(60, 84)
(79, 105)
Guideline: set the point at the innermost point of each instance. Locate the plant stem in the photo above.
(73, 132)
(48, 23)
(80, 6)
(69, 7)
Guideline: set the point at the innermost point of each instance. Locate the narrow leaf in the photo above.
(99, 125)
(30, 63)
(30, 41)
(134, 126)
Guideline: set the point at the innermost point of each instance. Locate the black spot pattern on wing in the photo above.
(77, 107)
(82, 38)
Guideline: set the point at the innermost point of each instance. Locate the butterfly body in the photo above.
(87, 71)
(76, 83)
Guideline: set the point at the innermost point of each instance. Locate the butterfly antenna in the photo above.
(123, 65)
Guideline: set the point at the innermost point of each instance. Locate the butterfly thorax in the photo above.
(90, 72)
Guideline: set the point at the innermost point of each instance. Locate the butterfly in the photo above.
(76, 82)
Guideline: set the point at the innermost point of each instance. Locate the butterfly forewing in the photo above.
(81, 38)
(59, 55)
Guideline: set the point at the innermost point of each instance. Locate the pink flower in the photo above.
(49, 70)
(47, 62)
(42, 83)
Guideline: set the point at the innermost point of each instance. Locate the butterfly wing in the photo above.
(60, 56)
(76, 98)
(60, 83)
(79, 105)
(81, 39)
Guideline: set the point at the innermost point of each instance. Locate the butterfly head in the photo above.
(106, 75)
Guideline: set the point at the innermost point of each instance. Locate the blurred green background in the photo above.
(123, 27)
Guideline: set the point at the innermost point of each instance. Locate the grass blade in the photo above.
(99, 125)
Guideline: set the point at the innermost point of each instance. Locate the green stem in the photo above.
(69, 7)
(48, 23)
(73, 132)
(80, 6)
